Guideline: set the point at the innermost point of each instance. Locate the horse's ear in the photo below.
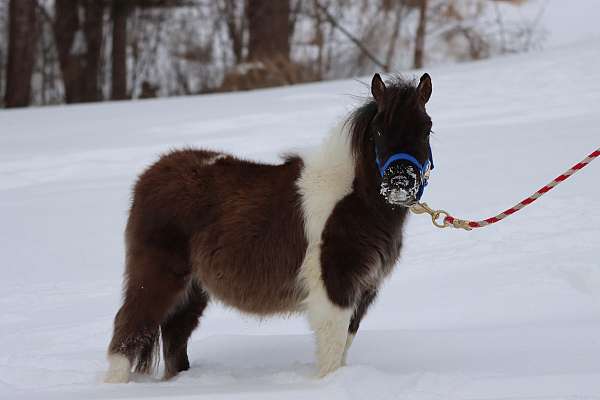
(378, 89)
(424, 89)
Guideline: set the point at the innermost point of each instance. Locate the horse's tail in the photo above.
(148, 358)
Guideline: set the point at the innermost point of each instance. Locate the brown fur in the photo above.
(249, 257)
(234, 228)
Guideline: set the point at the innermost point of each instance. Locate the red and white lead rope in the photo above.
(449, 220)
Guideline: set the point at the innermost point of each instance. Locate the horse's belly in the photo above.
(254, 282)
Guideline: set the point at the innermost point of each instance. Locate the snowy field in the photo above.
(508, 312)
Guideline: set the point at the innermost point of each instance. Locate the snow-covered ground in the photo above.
(508, 312)
(564, 22)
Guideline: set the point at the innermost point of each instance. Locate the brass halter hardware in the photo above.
(438, 217)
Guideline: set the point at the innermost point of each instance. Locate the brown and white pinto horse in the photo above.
(315, 234)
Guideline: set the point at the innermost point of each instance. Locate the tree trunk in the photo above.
(120, 13)
(92, 28)
(420, 36)
(235, 30)
(268, 29)
(393, 42)
(21, 52)
(66, 25)
(79, 46)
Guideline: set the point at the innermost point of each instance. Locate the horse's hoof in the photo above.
(118, 370)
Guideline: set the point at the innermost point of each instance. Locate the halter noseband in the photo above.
(424, 168)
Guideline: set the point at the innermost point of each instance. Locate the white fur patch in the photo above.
(214, 159)
(349, 341)
(327, 177)
(118, 369)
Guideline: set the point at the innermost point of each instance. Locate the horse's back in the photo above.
(234, 225)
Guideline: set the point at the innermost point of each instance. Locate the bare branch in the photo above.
(331, 19)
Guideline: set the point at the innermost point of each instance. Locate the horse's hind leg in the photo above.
(152, 289)
(178, 327)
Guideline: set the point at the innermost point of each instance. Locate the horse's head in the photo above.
(400, 131)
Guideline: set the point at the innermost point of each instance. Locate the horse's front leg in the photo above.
(330, 325)
(365, 301)
(329, 311)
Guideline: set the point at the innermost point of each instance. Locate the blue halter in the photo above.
(422, 168)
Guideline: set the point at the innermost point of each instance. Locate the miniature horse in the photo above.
(316, 234)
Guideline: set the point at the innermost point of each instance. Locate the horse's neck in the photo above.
(335, 170)
(332, 163)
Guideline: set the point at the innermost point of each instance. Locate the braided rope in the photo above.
(449, 220)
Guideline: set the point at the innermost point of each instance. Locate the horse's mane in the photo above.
(398, 91)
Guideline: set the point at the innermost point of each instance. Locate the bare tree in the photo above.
(119, 15)
(235, 22)
(399, 14)
(78, 35)
(420, 36)
(268, 29)
(89, 50)
(3, 48)
(21, 52)
(364, 50)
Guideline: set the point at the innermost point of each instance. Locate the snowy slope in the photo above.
(559, 22)
(564, 22)
(512, 311)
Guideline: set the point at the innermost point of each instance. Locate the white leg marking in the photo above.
(118, 369)
(327, 177)
(330, 324)
(349, 341)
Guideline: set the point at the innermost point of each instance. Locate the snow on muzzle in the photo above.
(401, 183)
(403, 178)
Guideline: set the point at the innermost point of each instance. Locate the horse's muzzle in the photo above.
(401, 184)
